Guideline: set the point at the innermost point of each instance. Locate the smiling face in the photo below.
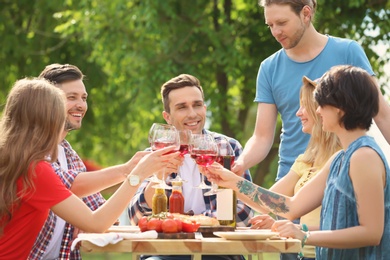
(330, 117)
(306, 119)
(187, 109)
(286, 26)
(76, 103)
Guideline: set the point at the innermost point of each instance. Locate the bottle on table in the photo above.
(226, 198)
(159, 201)
(176, 200)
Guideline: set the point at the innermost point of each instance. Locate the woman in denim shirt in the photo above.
(353, 186)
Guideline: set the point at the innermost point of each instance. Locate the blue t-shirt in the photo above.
(339, 206)
(279, 81)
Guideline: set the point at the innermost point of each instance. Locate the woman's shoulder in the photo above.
(43, 165)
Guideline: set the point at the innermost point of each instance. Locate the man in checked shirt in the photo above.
(184, 108)
(56, 236)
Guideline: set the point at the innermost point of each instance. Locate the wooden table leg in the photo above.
(258, 256)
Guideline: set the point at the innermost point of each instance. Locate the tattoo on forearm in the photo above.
(274, 202)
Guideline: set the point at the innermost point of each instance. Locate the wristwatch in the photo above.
(133, 179)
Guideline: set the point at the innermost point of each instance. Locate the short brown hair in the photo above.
(296, 5)
(181, 81)
(60, 73)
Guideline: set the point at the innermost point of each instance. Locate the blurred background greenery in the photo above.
(128, 48)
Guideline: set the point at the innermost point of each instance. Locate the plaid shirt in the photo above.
(75, 166)
(138, 206)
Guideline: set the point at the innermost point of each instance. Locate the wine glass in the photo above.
(204, 151)
(225, 152)
(225, 158)
(164, 136)
(185, 141)
(153, 129)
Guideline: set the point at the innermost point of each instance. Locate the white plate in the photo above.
(242, 228)
(248, 229)
(125, 229)
(245, 235)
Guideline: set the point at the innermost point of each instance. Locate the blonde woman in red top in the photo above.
(30, 128)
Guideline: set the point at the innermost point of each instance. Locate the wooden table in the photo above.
(197, 247)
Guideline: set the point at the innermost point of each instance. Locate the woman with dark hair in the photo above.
(353, 186)
(30, 130)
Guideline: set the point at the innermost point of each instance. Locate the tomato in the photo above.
(179, 224)
(143, 223)
(155, 224)
(190, 226)
(169, 226)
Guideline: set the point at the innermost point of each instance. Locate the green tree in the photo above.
(129, 48)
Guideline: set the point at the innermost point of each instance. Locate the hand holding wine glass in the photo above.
(163, 136)
(185, 140)
(204, 151)
(225, 152)
(152, 130)
(225, 158)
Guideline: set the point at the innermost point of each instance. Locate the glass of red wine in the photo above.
(152, 129)
(204, 151)
(185, 140)
(225, 158)
(160, 136)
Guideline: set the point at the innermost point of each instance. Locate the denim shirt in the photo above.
(339, 208)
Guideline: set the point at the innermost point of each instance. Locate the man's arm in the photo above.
(382, 119)
(259, 145)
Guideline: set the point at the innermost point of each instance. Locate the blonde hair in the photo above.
(30, 128)
(322, 145)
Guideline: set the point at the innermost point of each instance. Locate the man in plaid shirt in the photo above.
(185, 109)
(56, 236)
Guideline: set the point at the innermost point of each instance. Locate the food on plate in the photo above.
(143, 223)
(174, 223)
(201, 219)
(190, 227)
(155, 224)
(170, 226)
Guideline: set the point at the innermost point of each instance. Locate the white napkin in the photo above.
(103, 239)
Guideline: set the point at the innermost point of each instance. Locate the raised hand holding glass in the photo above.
(162, 136)
(204, 151)
(225, 158)
(185, 140)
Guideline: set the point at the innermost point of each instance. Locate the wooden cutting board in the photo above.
(207, 231)
(181, 235)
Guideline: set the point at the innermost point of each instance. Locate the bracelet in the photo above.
(304, 227)
(306, 236)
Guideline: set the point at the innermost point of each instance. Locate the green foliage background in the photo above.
(128, 49)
